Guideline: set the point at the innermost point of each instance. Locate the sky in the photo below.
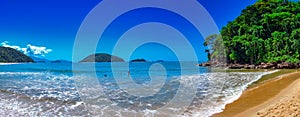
(48, 28)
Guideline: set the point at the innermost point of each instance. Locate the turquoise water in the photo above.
(47, 89)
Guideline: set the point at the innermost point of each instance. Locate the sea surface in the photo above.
(122, 89)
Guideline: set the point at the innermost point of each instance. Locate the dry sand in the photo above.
(276, 98)
(289, 106)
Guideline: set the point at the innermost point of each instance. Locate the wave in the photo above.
(44, 89)
(19, 105)
(10, 63)
(231, 91)
(39, 85)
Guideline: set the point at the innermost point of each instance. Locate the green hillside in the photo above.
(9, 55)
(267, 31)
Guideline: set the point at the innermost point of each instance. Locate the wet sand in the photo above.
(277, 97)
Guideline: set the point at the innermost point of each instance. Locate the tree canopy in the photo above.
(267, 31)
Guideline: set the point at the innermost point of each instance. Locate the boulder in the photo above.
(286, 65)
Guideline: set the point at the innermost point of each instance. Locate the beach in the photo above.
(277, 97)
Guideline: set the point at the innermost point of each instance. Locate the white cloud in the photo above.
(29, 50)
(5, 44)
(35, 50)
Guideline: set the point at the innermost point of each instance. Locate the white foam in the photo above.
(236, 93)
(10, 63)
(77, 104)
(21, 73)
(50, 86)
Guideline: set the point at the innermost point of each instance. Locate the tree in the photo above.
(215, 48)
(8, 55)
(267, 31)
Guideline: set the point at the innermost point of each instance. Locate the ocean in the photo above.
(121, 89)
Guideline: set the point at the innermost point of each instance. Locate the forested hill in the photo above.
(9, 55)
(267, 31)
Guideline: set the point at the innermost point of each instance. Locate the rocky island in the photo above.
(138, 60)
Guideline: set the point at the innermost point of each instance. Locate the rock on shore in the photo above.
(283, 65)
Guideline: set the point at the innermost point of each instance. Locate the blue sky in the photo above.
(53, 24)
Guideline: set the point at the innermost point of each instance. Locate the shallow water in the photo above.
(57, 89)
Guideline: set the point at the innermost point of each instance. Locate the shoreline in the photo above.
(262, 65)
(255, 99)
(9, 63)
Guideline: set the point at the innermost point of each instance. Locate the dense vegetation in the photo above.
(9, 55)
(267, 31)
(101, 57)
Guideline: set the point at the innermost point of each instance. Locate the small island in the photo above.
(10, 55)
(102, 57)
(138, 60)
(160, 61)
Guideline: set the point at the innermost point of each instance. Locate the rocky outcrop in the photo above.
(282, 65)
(286, 65)
(206, 64)
(266, 66)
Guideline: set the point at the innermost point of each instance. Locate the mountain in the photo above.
(40, 60)
(138, 60)
(102, 57)
(12, 55)
(43, 60)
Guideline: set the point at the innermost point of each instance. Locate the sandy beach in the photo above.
(279, 97)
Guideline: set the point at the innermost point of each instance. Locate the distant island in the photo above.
(10, 55)
(159, 61)
(138, 60)
(61, 61)
(102, 57)
(266, 35)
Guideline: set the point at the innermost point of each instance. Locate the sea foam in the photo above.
(47, 93)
